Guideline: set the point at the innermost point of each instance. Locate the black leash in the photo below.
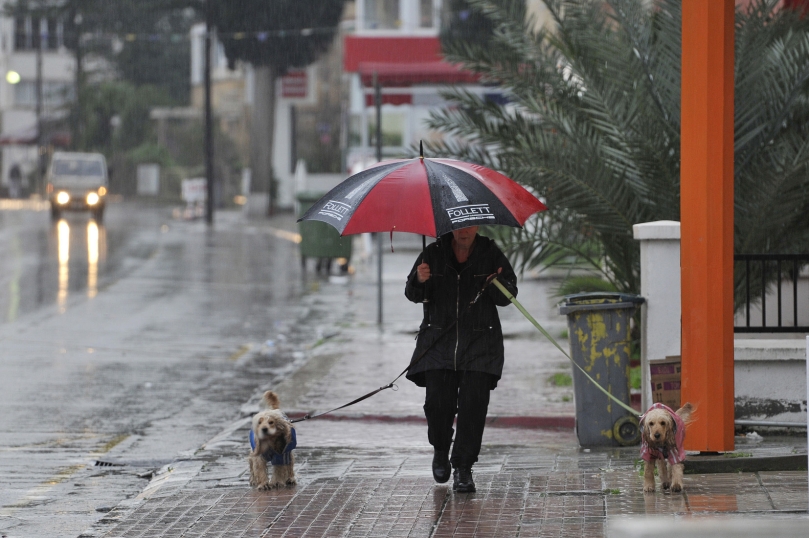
(392, 384)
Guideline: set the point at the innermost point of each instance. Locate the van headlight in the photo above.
(62, 198)
(92, 198)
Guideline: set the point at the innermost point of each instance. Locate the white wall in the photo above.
(660, 286)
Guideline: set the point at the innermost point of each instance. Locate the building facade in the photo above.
(32, 49)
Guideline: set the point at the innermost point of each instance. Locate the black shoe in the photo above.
(462, 481)
(441, 467)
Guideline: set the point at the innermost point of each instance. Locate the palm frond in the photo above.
(593, 126)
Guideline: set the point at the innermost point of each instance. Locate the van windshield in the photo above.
(78, 167)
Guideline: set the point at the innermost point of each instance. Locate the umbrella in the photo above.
(424, 196)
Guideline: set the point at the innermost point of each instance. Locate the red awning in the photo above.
(401, 61)
(408, 74)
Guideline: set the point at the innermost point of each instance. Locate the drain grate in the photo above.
(102, 463)
(147, 464)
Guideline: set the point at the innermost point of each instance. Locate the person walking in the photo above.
(15, 182)
(459, 350)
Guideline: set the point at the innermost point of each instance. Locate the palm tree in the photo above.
(593, 126)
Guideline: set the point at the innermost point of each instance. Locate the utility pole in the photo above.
(209, 149)
(79, 125)
(40, 138)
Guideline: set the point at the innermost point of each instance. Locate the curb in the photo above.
(723, 464)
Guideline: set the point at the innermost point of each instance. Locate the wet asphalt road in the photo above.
(128, 344)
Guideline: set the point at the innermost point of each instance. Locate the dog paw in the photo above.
(666, 485)
(676, 488)
(265, 487)
(291, 482)
(649, 489)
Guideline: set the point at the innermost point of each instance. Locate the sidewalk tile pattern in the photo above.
(540, 491)
(565, 503)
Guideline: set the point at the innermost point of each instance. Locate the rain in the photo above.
(175, 176)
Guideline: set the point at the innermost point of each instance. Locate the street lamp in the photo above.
(12, 77)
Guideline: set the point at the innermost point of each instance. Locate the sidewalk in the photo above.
(365, 471)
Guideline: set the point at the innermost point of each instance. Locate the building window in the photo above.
(22, 33)
(54, 94)
(381, 14)
(29, 30)
(426, 14)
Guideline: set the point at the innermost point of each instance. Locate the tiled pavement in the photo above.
(368, 475)
(544, 486)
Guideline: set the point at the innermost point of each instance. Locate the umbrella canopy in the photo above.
(424, 196)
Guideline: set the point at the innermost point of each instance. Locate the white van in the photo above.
(77, 182)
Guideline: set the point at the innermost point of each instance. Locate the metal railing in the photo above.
(756, 272)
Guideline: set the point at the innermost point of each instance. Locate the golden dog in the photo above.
(662, 437)
(274, 438)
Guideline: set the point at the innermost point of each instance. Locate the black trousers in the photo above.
(462, 393)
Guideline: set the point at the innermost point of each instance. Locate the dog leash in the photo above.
(392, 384)
(536, 324)
(492, 279)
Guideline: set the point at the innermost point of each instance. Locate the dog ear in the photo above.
(644, 431)
(686, 412)
(271, 399)
(671, 432)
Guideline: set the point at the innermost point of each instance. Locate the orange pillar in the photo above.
(706, 197)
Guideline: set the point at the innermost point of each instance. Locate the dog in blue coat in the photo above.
(272, 438)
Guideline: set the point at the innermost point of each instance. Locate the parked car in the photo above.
(77, 182)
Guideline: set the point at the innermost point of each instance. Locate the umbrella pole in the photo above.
(378, 106)
(379, 277)
(426, 299)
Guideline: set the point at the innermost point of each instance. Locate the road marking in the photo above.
(239, 352)
(284, 234)
(37, 494)
(17, 205)
(14, 282)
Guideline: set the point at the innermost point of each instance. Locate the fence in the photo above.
(752, 272)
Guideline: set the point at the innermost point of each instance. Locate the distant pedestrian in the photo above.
(15, 182)
(463, 340)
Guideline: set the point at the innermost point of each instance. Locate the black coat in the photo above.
(475, 342)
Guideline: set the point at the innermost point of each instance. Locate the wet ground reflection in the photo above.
(86, 241)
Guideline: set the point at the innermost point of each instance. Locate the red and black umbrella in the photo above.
(424, 196)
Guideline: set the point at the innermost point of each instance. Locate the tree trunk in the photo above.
(261, 133)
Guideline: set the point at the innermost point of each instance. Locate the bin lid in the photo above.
(600, 297)
(599, 300)
(310, 196)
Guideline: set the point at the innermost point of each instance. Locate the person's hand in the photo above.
(423, 273)
(491, 276)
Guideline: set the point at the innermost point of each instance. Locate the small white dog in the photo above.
(272, 438)
(662, 438)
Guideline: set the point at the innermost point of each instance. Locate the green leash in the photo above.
(536, 324)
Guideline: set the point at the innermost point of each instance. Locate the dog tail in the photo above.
(271, 399)
(686, 412)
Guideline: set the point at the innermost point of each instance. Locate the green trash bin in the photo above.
(598, 328)
(318, 239)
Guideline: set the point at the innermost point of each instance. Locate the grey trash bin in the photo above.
(598, 326)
